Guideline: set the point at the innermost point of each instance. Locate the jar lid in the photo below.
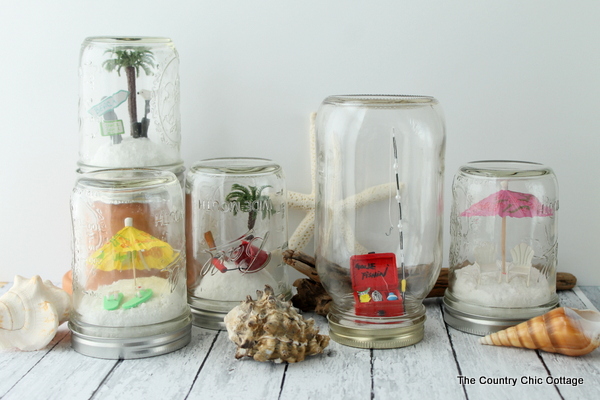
(466, 319)
(134, 346)
(378, 336)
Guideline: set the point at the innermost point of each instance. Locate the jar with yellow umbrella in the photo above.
(132, 249)
(128, 272)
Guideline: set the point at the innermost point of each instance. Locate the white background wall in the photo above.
(516, 79)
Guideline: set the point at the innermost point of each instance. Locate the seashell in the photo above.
(30, 313)
(67, 282)
(563, 330)
(270, 329)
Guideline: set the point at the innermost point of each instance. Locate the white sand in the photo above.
(234, 285)
(163, 306)
(489, 292)
(141, 152)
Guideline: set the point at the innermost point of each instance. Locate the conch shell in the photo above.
(563, 330)
(270, 329)
(30, 313)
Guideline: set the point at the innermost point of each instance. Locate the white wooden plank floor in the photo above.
(206, 368)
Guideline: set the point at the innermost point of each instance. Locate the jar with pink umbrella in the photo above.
(504, 241)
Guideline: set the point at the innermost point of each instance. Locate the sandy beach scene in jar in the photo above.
(129, 261)
(504, 240)
(129, 103)
(236, 233)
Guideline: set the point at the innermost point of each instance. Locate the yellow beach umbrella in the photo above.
(131, 248)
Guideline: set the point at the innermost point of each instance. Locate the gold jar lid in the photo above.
(378, 336)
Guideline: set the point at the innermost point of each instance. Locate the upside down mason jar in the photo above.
(129, 104)
(236, 226)
(503, 249)
(380, 166)
(129, 293)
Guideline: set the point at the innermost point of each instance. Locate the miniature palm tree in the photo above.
(251, 201)
(131, 59)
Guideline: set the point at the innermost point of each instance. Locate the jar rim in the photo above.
(128, 40)
(175, 167)
(126, 179)
(379, 100)
(505, 168)
(235, 166)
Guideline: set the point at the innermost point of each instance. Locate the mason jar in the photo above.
(236, 224)
(504, 242)
(129, 292)
(129, 104)
(378, 234)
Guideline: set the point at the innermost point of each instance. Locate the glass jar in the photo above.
(503, 248)
(236, 226)
(378, 234)
(129, 292)
(129, 104)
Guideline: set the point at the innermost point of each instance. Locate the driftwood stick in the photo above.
(302, 263)
(565, 281)
(312, 297)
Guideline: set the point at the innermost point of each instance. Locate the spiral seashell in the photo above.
(563, 330)
(270, 329)
(30, 313)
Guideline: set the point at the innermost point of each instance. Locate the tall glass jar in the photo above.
(503, 249)
(236, 224)
(129, 104)
(129, 292)
(380, 166)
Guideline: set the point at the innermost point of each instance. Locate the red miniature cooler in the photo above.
(375, 285)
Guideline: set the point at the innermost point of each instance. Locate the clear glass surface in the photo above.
(504, 239)
(129, 253)
(236, 229)
(380, 166)
(129, 103)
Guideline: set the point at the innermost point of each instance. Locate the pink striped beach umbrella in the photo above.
(507, 203)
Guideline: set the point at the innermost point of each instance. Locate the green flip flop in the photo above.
(141, 297)
(113, 301)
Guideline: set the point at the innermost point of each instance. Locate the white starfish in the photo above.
(306, 202)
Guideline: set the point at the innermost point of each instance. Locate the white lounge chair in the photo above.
(522, 255)
(485, 259)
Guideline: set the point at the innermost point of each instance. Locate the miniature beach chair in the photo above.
(485, 259)
(522, 255)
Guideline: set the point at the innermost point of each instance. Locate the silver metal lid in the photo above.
(484, 325)
(208, 319)
(210, 314)
(130, 348)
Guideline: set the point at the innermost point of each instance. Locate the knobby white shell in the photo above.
(270, 329)
(30, 313)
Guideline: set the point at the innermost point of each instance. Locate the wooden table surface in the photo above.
(207, 369)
